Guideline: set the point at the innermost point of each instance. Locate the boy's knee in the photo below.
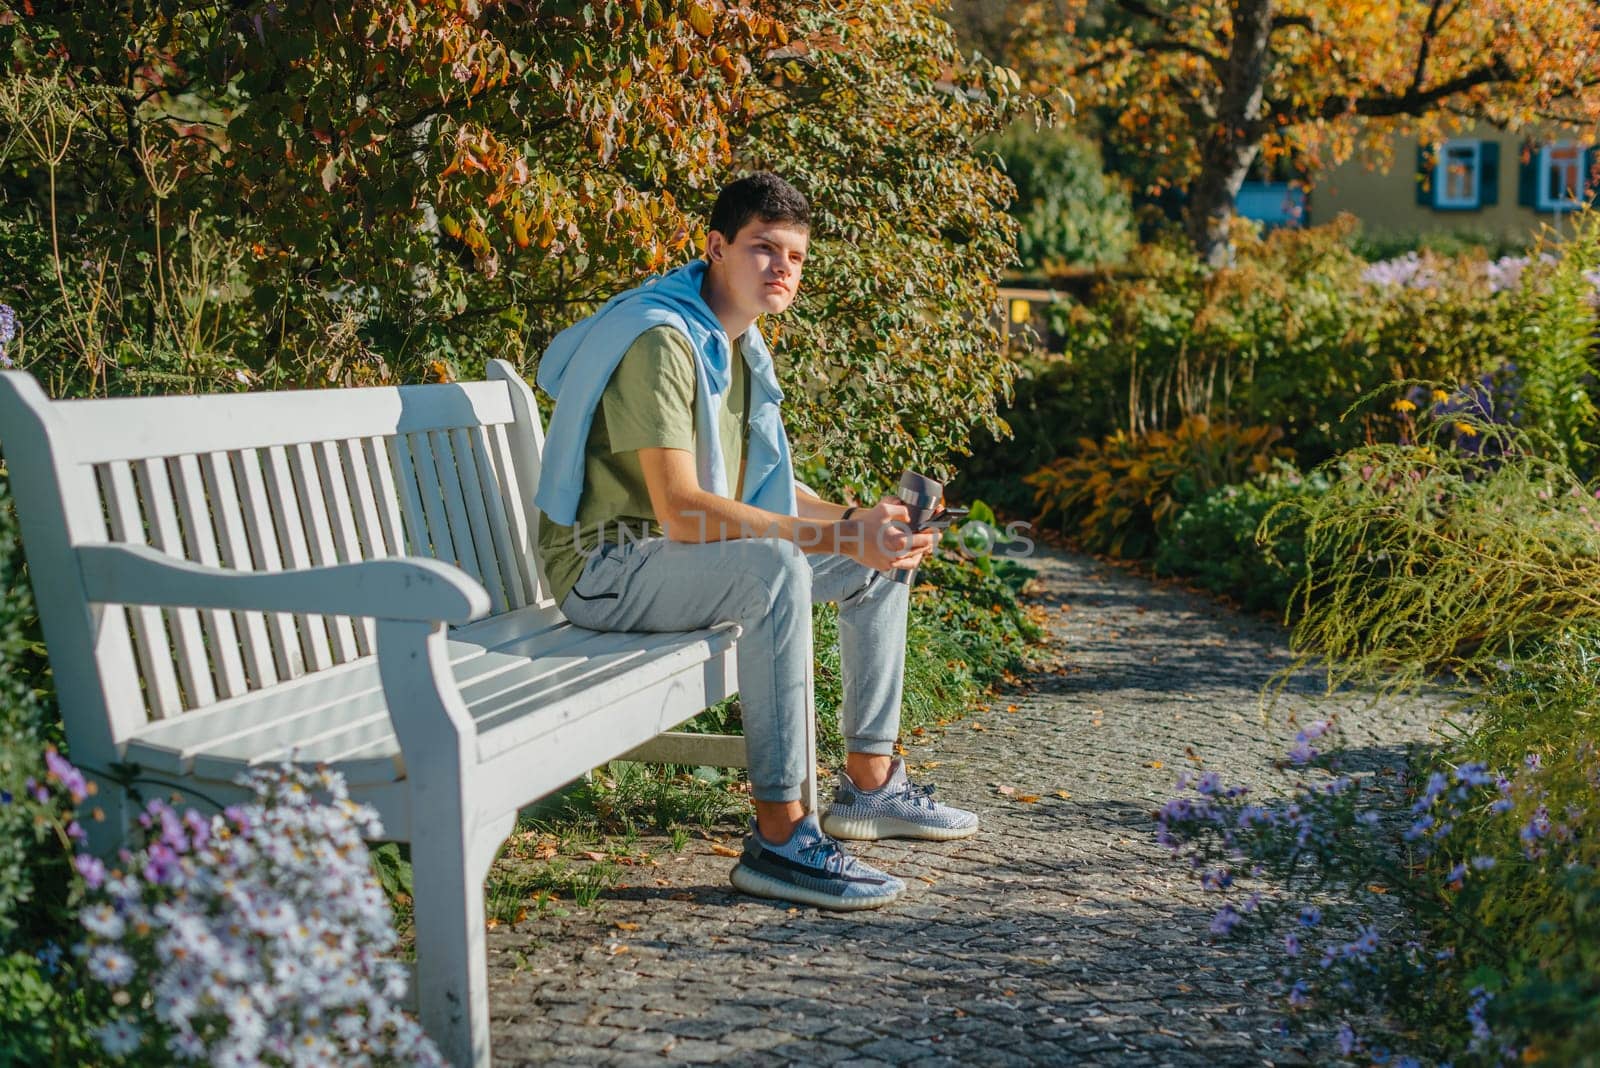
(782, 568)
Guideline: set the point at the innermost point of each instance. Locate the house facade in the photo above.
(1485, 181)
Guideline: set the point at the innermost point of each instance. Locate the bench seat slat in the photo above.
(339, 717)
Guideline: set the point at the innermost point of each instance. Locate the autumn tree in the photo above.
(1205, 90)
(407, 187)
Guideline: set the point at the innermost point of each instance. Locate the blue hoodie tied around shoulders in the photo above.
(581, 359)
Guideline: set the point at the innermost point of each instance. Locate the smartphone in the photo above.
(944, 518)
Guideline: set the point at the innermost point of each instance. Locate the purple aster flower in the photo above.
(70, 778)
(1456, 873)
(1299, 994)
(1538, 826)
(1310, 916)
(1348, 1040)
(91, 868)
(1225, 920)
(1291, 944)
(1483, 863)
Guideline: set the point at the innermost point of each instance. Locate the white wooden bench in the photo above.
(344, 577)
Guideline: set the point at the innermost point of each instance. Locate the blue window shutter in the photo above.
(1528, 177)
(1489, 173)
(1425, 176)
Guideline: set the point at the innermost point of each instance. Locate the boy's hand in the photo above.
(886, 541)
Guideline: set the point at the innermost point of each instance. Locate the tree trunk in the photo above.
(1235, 139)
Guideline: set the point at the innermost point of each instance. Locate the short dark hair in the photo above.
(762, 195)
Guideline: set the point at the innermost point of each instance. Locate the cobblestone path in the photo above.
(1061, 934)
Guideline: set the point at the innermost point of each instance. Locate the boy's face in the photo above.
(760, 267)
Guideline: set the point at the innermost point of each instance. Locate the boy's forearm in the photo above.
(813, 507)
(705, 517)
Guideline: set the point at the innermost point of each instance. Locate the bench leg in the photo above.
(448, 870)
(452, 843)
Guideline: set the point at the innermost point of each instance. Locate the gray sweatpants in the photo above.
(767, 586)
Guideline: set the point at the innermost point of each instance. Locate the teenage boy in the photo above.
(670, 504)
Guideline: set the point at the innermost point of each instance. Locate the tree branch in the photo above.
(1424, 45)
(1411, 102)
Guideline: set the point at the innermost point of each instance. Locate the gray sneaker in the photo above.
(811, 868)
(897, 809)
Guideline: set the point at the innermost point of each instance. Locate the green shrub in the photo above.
(1433, 560)
(1121, 495)
(1302, 334)
(1214, 540)
(1431, 564)
(1069, 212)
(1552, 340)
(1457, 242)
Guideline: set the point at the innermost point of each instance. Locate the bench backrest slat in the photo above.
(148, 626)
(267, 482)
(131, 427)
(200, 538)
(288, 659)
(234, 548)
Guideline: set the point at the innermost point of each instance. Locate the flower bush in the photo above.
(1120, 495)
(254, 936)
(1411, 933)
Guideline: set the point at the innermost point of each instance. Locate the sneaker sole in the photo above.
(754, 883)
(871, 828)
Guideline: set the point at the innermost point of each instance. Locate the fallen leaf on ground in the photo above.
(723, 851)
(1377, 889)
(1011, 708)
(617, 947)
(624, 925)
(1007, 790)
(932, 764)
(1063, 795)
(1027, 799)
(1153, 764)
(594, 854)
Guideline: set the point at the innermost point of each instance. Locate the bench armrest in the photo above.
(404, 588)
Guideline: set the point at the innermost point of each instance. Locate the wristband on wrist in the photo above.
(847, 513)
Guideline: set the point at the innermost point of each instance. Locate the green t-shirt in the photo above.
(648, 403)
